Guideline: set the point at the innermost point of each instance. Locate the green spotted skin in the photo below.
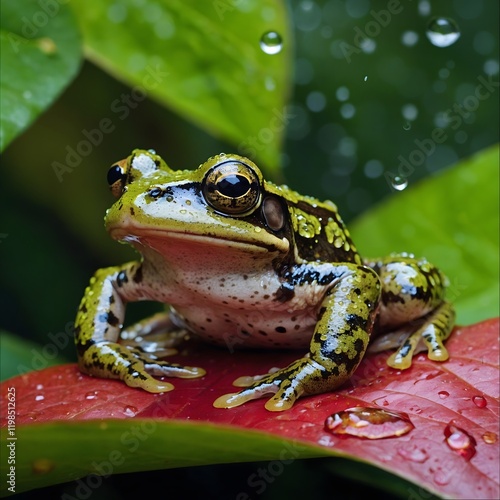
(241, 262)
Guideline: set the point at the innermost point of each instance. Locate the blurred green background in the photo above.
(361, 89)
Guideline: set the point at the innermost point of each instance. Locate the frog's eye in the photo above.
(232, 188)
(116, 180)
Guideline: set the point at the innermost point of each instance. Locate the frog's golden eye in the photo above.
(116, 180)
(232, 188)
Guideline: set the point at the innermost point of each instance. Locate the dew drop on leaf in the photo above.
(369, 423)
(42, 466)
(443, 394)
(399, 183)
(479, 401)
(413, 453)
(271, 43)
(442, 31)
(130, 411)
(490, 437)
(460, 441)
(91, 395)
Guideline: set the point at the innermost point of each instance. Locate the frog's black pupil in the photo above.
(233, 185)
(115, 173)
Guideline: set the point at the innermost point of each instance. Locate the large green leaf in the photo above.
(452, 219)
(203, 59)
(40, 48)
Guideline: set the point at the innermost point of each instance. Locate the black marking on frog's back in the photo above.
(321, 248)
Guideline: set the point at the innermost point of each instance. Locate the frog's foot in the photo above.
(157, 335)
(135, 368)
(432, 334)
(287, 385)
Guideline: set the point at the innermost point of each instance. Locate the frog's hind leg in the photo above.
(434, 331)
(412, 300)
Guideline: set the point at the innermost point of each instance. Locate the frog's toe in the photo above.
(163, 369)
(147, 383)
(238, 398)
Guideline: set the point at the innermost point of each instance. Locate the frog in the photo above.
(239, 260)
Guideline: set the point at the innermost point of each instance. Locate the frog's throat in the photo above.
(263, 244)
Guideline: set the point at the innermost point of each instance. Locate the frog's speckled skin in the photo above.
(245, 263)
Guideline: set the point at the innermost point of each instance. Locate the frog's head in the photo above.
(224, 203)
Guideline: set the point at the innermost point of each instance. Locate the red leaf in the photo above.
(462, 393)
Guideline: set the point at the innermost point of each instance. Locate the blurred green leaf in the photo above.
(40, 48)
(203, 59)
(452, 219)
(19, 356)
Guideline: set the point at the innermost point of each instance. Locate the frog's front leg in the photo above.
(345, 321)
(97, 329)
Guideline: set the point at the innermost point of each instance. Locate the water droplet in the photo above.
(490, 437)
(130, 411)
(46, 45)
(91, 395)
(409, 38)
(460, 441)
(39, 387)
(399, 183)
(342, 93)
(443, 394)
(271, 43)
(369, 423)
(407, 126)
(413, 453)
(442, 31)
(42, 466)
(365, 78)
(39, 397)
(479, 401)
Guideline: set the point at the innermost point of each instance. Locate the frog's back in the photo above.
(317, 228)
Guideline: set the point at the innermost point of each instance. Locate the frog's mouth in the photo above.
(162, 239)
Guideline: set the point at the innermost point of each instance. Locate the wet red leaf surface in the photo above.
(462, 392)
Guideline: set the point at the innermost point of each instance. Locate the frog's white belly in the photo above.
(251, 329)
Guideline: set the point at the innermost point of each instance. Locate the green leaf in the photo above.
(203, 59)
(452, 219)
(20, 356)
(115, 446)
(40, 48)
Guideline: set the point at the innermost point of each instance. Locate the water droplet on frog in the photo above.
(130, 411)
(42, 466)
(479, 401)
(460, 441)
(39, 397)
(91, 395)
(442, 31)
(490, 437)
(413, 453)
(407, 126)
(365, 78)
(443, 394)
(271, 43)
(39, 387)
(399, 183)
(369, 423)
